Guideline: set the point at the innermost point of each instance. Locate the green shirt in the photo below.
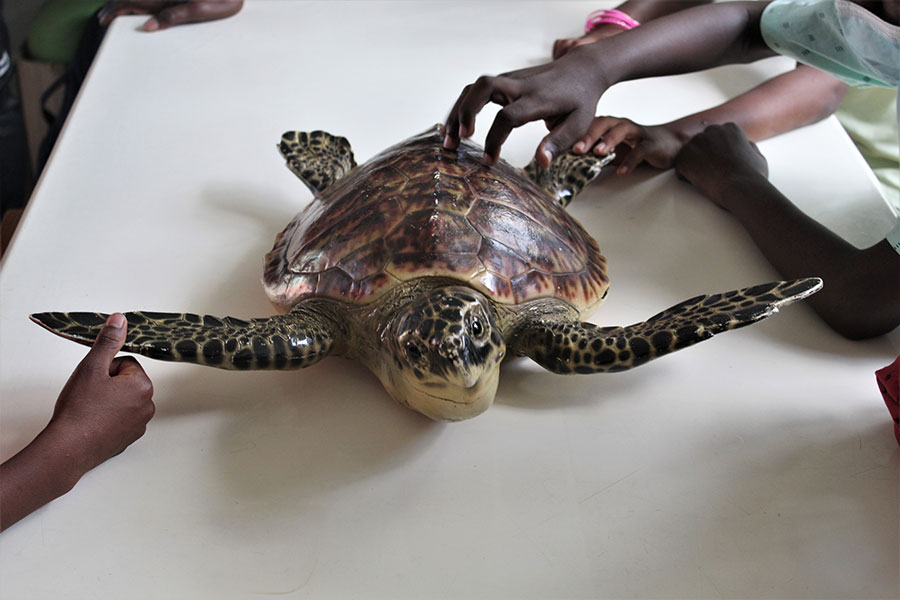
(57, 27)
(858, 48)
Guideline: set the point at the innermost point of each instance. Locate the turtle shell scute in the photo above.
(419, 210)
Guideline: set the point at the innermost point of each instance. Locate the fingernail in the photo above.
(116, 321)
(151, 25)
(447, 141)
(600, 148)
(622, 171)
(547, 156)
(578, 148)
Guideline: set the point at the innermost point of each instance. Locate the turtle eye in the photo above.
(477, 327)
(413, 351)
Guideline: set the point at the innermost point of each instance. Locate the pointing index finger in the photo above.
(461, 122)
(451, 126)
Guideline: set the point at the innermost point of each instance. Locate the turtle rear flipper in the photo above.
(292, 341)
(576, 347)
(567, 174)
(317, 158)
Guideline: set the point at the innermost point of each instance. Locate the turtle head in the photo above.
(446, 351)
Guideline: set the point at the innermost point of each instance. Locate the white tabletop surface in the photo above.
(760, 464)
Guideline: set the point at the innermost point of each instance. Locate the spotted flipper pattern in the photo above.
(317, 158)
(292, 341)
(567, 174)
(576, 347)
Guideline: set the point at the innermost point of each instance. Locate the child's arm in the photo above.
(647, 10)
(639, 10)
(104, 407)
(859, 299)
(786, 102)
(565, 92)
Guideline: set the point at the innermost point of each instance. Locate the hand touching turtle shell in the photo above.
(565, 92)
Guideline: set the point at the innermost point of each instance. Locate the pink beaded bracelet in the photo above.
(612, 16)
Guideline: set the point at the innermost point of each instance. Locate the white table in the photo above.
(760, 464)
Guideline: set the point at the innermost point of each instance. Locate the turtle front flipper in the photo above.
(576, 347)
(567, 174)
(291, 341)
(317, 158)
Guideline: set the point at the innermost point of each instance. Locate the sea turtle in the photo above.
(431, 267)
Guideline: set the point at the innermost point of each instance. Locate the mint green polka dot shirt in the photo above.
(836, 36)
(841, 38)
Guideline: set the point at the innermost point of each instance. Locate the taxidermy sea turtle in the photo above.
(431, 267)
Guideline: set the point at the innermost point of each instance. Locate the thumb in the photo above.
(109, 341)
(560, 139)
(173, 15)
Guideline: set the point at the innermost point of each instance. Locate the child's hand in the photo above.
(167, 13)
(720, 155)
(107, 402)
(656, 145)
(103, 408)
(563, 93)
(601, 31)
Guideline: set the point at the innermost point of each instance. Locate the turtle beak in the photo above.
(449, 404)
(472, 380)
(467, 364)
(451, 389)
